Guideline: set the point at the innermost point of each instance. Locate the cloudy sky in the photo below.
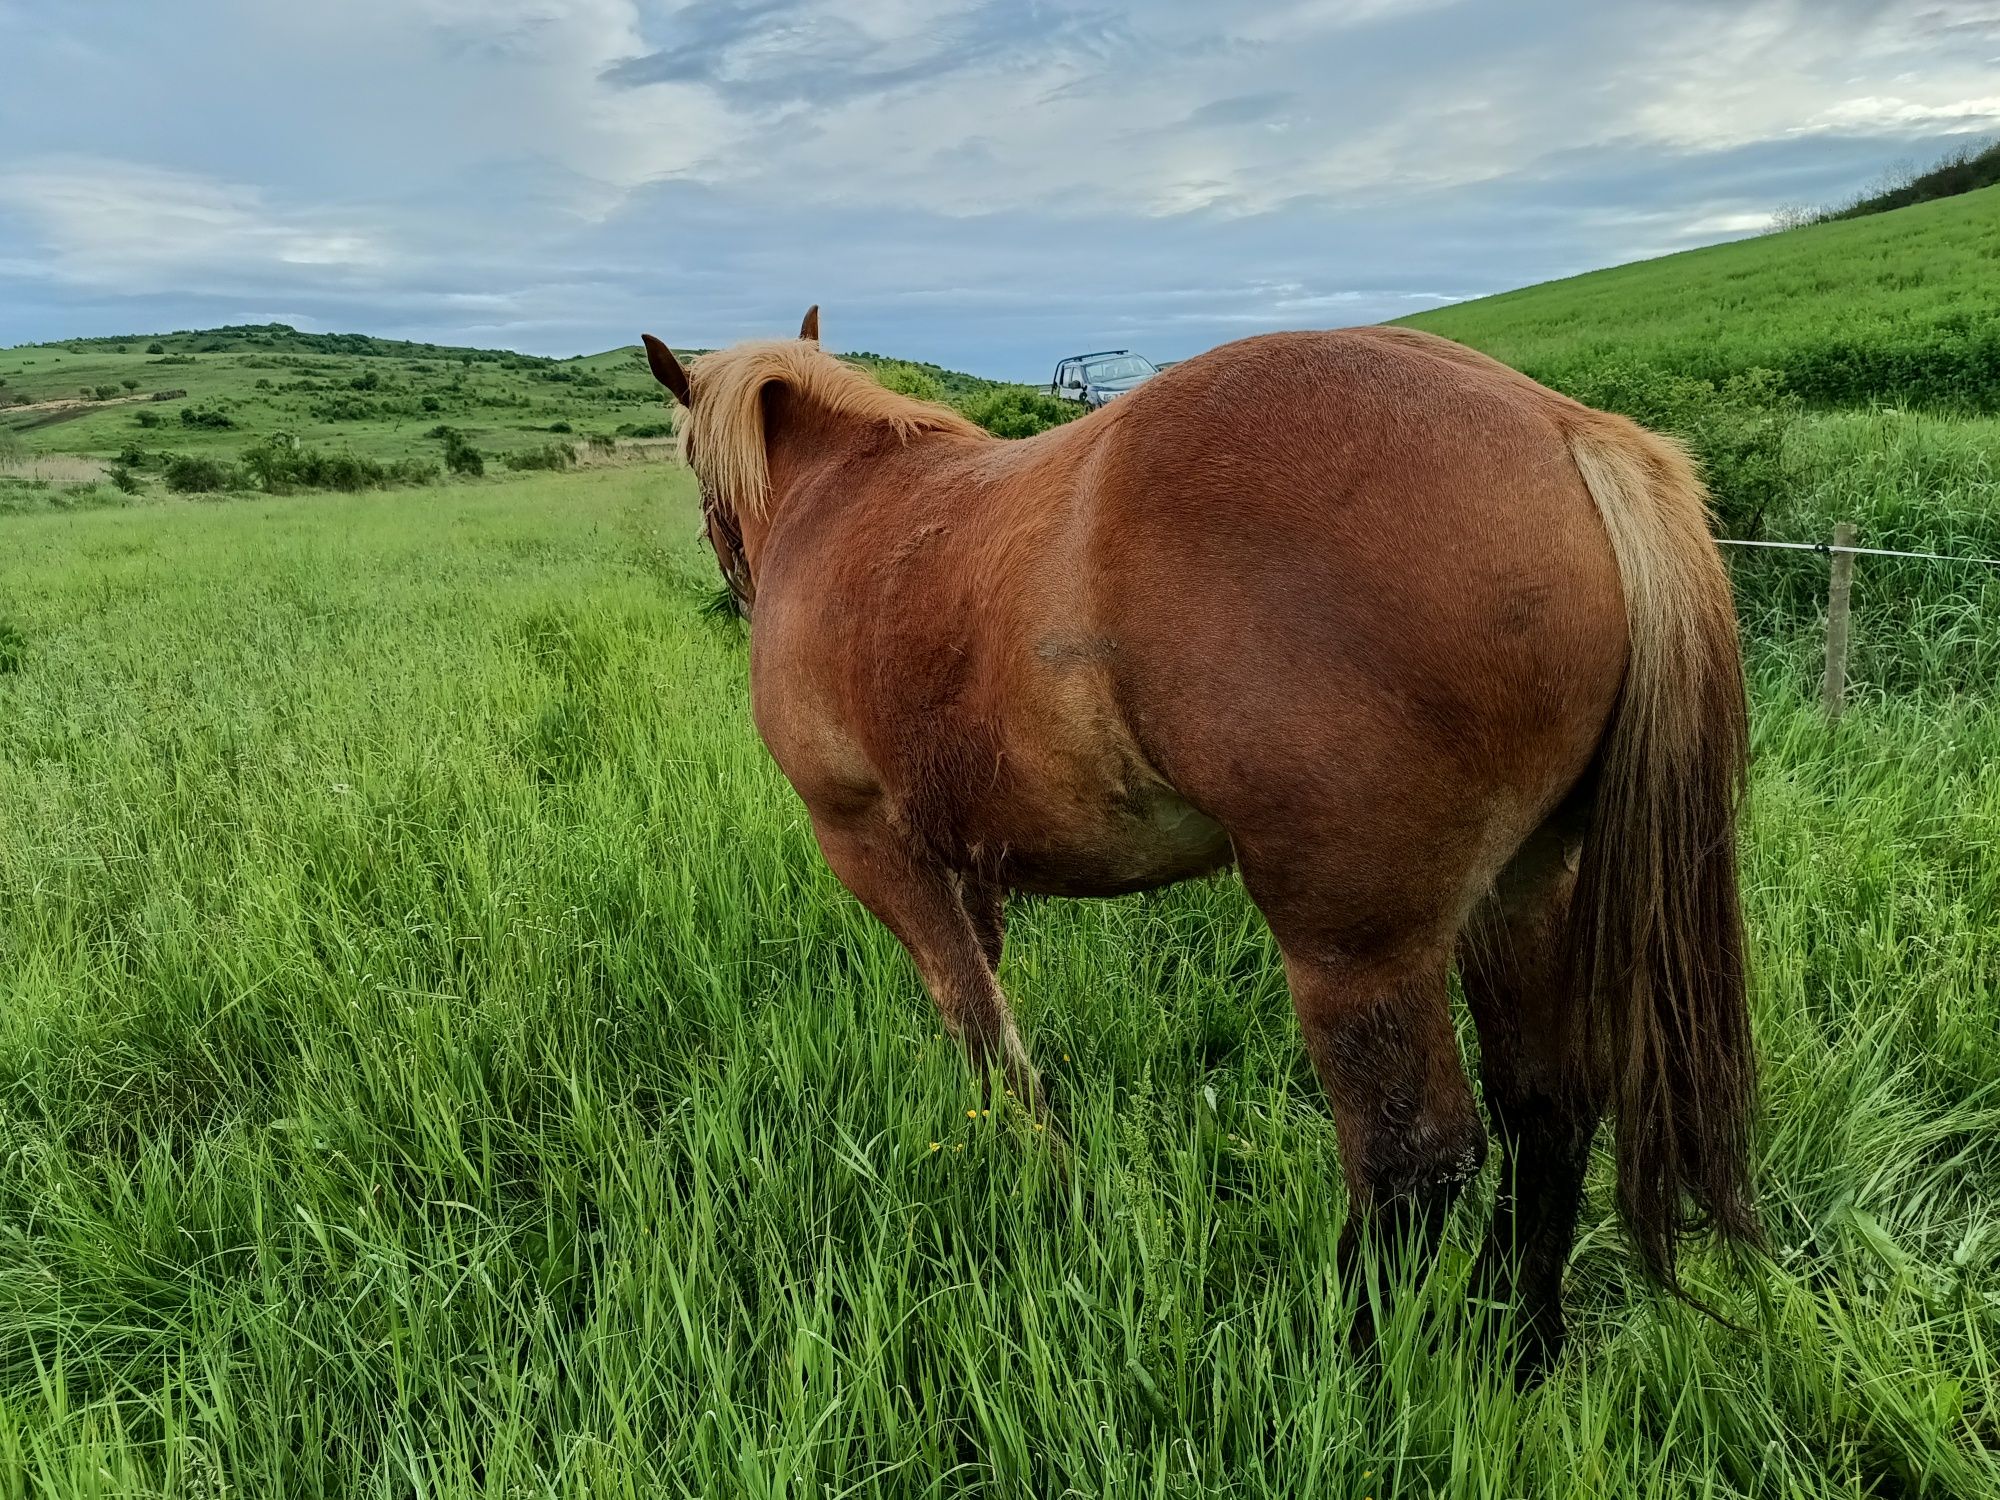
(986, 183)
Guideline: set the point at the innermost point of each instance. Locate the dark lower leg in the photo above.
(1547, 1146)
(1540, 1088)
(1410, 1139)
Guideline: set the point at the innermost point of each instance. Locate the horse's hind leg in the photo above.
(952, 931)
(1544, 1097)
(1380, 1036)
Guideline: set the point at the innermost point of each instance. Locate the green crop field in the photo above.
(435, 1061)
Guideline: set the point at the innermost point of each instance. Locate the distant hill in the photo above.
(1897, 306)
(217, 390)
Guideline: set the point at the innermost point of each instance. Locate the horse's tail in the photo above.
(1656, 942)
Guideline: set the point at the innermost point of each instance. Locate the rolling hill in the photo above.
(1898, 307)
(213, 391)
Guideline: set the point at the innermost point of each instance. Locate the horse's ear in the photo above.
(666, 369)
(809, 329)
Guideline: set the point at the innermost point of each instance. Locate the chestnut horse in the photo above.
(1443, 661)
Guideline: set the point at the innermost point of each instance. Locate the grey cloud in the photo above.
(775, 52)
(1241, 109)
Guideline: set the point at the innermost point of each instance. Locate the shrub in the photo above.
(282, 463)
(156, 348)
(1018, 411)
(192, 474)
(263, 382)
(147, 419)
(344, 409)
(548, 456)
(459, 455)
(129, 383)
(106, 392)
(431, 403)
(125, 479)
(132, 456)
(645, 429)
(560, 427)
(206, 416)
(909, 380)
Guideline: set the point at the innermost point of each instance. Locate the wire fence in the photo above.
(1841, 552)
(1828, 549)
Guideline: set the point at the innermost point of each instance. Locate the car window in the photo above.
(1124, 367)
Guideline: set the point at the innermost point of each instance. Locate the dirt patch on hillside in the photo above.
(69, 408)
(55, 468)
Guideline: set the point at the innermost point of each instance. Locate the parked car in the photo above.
(1094, 379)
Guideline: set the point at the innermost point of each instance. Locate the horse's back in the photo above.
(1360, 594)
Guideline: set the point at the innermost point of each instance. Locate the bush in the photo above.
(560, 427)
(106, 392)
(459, 455)
(908, 380)
(431, 403)
(281, 464)
(206, 416)
(132, 456)
(1019, 411)
(191, 474)
(548, 456)
(645, 429)
(344, 409)
(125, 479)
(129, 383)
(156, 348)
(148, 419)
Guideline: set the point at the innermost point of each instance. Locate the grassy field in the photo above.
(434, 1060)
(1895, 307)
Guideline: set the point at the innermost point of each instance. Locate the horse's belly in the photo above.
(1129, 842)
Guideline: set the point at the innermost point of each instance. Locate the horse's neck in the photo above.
(802, 443)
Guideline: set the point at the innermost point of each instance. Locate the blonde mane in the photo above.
(722, 436)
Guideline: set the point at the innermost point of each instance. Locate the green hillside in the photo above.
(216, 390)
(1899, 307)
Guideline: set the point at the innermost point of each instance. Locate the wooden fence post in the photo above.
(1840, 584)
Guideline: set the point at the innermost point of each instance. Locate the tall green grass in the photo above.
(434, 1060)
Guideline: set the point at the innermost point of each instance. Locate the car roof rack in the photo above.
(1100, 353)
